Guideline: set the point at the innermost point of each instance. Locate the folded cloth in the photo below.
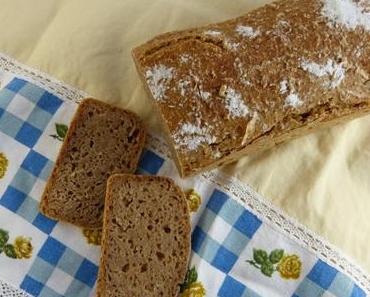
(241, 245)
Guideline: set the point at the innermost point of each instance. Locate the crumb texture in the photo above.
(102, 140)
(146, 243)
(294, 63)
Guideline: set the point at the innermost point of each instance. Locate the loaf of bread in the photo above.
(146, 238)
(101, 140)
(278, 72)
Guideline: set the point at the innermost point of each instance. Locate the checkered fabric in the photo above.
(225, 234)
(57, 268)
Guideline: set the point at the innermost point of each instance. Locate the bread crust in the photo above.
(222, 89)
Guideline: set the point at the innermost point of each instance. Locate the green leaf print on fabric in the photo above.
(288, 266)
(21, 248)
(191, 287)
(10, 251)
(61, 131)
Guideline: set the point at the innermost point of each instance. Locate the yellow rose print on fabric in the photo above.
(194, 200)
(3, 165)
(21, 248)
(288, 266)
(93, 236)
(191, 286)
(195, 290)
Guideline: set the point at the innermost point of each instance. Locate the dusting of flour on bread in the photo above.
(334, 72)
(190, 84)
(247, 31)
(216, 155)
(158, 77)
(183, 85)
(230, 45)
(283, 86)
(192, 136)
(293, 100)
(347, 13)
(203, 94)
(234, 103)
(185, 58)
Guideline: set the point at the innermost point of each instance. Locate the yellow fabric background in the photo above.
(323, 179)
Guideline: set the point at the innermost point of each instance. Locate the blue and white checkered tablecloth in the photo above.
(236, 250)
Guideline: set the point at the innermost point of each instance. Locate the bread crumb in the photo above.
(283, 87)
(158, 78)
(212, 33)
(247, 31)
(192, 136)
(334, 71)
(222, 91)
(234, 103)
(293, 100)
(217, 155)
(251, 127)
(347, 13)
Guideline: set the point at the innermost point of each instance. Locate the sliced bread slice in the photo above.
(101, 140)
(146, 238)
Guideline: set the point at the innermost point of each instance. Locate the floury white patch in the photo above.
(348, 13)
(234, 103)
(158, 78)
(293, 100)
(192, 136)
(247, 31)
(333, 72)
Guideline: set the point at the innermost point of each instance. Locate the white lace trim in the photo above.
(239, 190)
(7, 290)
(300, 234)
(41, 79)
(276, 218)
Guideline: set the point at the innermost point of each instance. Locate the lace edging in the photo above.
(7, 290)
(239, 190)
(276, 218)
(41, 79)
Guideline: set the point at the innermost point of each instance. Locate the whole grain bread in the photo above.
(101, 140)
(281, 71)
(146, 238)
